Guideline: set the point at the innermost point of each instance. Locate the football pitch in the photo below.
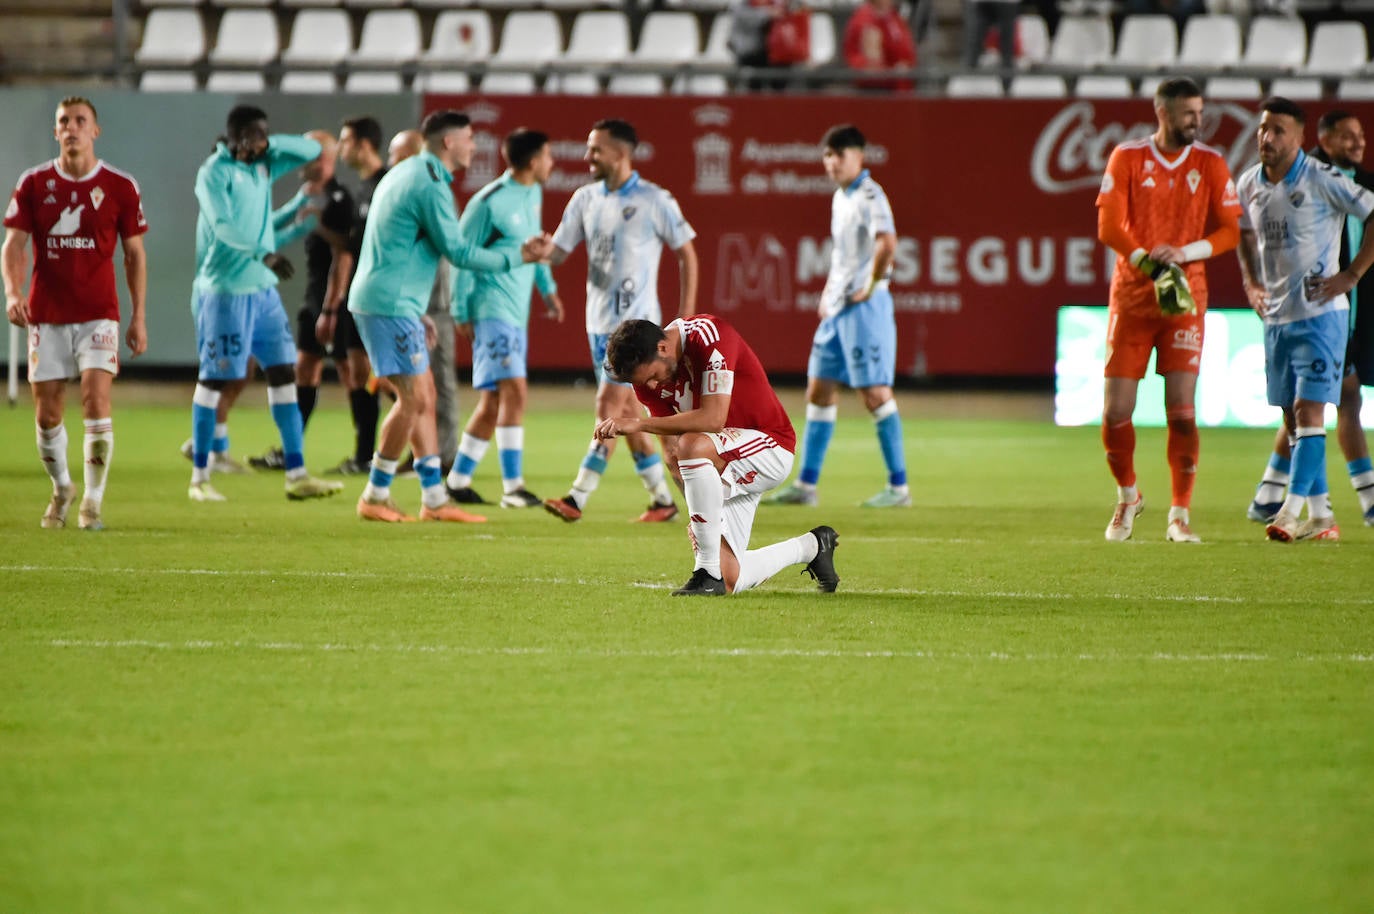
(265, 706)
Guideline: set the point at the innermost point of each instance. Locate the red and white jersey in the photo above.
(715, 359)
(75, 223)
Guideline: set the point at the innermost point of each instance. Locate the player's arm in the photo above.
(569, 233)
(14, 265)
(687, 278)
(473, 225)
(136, 276)
(1111, 217)
(286, 151)
(1247, 252)
(439, 220)
(1346, 279)
(884, 252)
(709, 417)
(1224, 214)
(548, 289)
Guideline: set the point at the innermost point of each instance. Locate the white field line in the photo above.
(1026, 595)
(299, 647)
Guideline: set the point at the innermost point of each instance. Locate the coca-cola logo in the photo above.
(1072, 150)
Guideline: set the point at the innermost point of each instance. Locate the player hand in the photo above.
(17, 310)
(1331, 286)
(324, 327)
(862, 295)
(1167, 254)
(465, 330)
(553, 307)
(537, 248)
(1258, 298)
(431, 331)
(610, 428)
(136, 338)
(279, 265)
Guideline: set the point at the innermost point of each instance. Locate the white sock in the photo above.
(705, 500)
(434, 496)
(1127, 495)
(376, 493)
(510, 438)
(1292, 504)
(758, 565)
(1319, 506)
(97, 447)
(1363, 484)
(221, 434)
(474, 449)
(655, 481)
(52, 449)
(1177, 513)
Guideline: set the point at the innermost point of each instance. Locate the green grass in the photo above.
(264, 706)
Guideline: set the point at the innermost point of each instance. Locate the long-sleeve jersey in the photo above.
(504, 210)
(236, 213)
(412, 222)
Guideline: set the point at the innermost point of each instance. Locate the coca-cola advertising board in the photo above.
(994, 205)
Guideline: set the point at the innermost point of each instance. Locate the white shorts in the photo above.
(58, 352)
(754, 464)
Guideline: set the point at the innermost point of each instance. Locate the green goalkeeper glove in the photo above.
(1171, 287)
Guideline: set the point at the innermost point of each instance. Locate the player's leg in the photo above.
(275, 350)
(1128, 345)
(868, 337)
(97, 356)
(491, 363)
(363, 403)
(1182, 448)
(389, 343)
(309, 363)
(593, 465)
(649, 465)
(826, 369)
(52, 359)
(223, 335)
(700, 465)
(424, 445)
(513, 393)
(887, 422)
(1354, 447)
(1273, 484)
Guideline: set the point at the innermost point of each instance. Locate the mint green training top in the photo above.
(504, 210)
(411, 223)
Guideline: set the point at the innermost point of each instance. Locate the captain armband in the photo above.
(1197, 250)
(717, 381)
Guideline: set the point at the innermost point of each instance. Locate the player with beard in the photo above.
(75, 207)
(1340, 144)
(1166, 204)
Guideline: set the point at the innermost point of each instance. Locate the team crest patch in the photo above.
(97, 197)
(1194, 179)
(13, 209)
(1296, 198)
(52, 185)
(627, 212)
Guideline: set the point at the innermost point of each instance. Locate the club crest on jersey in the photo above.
(73, 196)
(1296, 198)
(627, 212)
(1194, 179)
(52, 185)
(1149, 166)
(97, 197)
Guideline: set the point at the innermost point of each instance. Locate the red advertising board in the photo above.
(994, 203)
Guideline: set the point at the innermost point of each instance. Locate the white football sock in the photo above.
(97, 448)
(52, 449)
(706, 505)
(758, 565)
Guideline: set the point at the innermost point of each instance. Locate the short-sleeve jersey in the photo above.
(337, 214)
(859, 213)
(504, 209)
(625, 231)
(715, 359)
(1298, 223)
(74, 223)
(1165, 202)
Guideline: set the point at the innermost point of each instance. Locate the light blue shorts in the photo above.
(598, 343)
(230, 328)
(395, 345)
(498, 353)
(1303, 360)
(858, 346)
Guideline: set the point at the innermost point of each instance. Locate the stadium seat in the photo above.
(668, 38)
(974, 85)
(441, 4)
(529, 37)
(598, 37)
(1082, 41)
(172, 36)
(309, 82)
(372, 3)
(717, 41)
(1032, 38)
(1355, 89)
(573, 84)
(318, 38)
(1037, 85)
(1276, 44)
(238, 3)
(1238, 87)
(1147, 43)
(167, 81)
(235, 81)
(1299, 89)
(1092, 86)
(460, 36)
(443, 82)
(1338, 49)
(822, 39)
(149, 4)
(509, 84)
(717, 5)
(246, 37)
(1210, 43)
(389, 36)
(379, 83)
(635, 84)
(299, 3)
(708, 84)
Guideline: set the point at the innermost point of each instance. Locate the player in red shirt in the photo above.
(727, 439)
(1165, 200)
(75, 208)
(878, 38)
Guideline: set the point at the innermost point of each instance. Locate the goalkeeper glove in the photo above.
(1171, 286)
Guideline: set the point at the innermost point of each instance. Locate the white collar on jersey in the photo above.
(57, 167)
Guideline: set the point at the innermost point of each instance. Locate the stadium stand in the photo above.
(1210, 42)
(1082, 41)
(598, 37)
(1276, 43)
(248, 37)
(1102, 86)
(1147, 43)
(668, 38)
(1337, 48)
(319, 38)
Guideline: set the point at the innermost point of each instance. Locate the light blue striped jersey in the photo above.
(859, 213)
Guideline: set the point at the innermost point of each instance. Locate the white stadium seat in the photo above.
(167, 81)
(1338, 49)
(1355, 89)
(1037, 85)
(1276, 43)
(635, 84)
(246, 37)
(318, 38)
(1033, 38)
(598, 37)
(531, 37)
(378, 83)
(709, 84)
(822, 39)
(371, 3)
(1147, 42)
(1094, 86)
(508, 84)
(235, 81)
(668, 38)
(1210, 42)
(239, 3)
(974, 85)
(717, 41)
(298, 3)
(460, 36)
(573, 84)
(172, 36)
(1082, 41)
(309, 82)
(1298, 88)
(443, 83)
(389, 36)
(1238, 87)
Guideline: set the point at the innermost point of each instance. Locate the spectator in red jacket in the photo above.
(878, 38)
